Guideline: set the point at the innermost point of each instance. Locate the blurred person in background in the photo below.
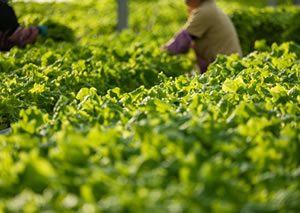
(11, 34)
(209, 31)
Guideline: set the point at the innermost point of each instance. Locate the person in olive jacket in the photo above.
(11, 33)
(208, 31)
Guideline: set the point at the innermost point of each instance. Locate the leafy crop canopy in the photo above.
(110, 123)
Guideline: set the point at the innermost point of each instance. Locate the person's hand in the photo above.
(43, 30)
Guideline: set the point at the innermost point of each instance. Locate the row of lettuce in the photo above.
(188, 144)
(270, 24)
(40, 74)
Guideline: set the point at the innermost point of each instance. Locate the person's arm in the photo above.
(11, 34)
(180, 44)
(20, 37)
(23, 36)
(194, 29)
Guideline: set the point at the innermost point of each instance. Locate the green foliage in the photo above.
(188, 144)
(40, 74)
(293, 29)
(58, 32)
(270, 24)
(113, 124)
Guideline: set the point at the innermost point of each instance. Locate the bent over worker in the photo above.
(11, 34)
(209, 31)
